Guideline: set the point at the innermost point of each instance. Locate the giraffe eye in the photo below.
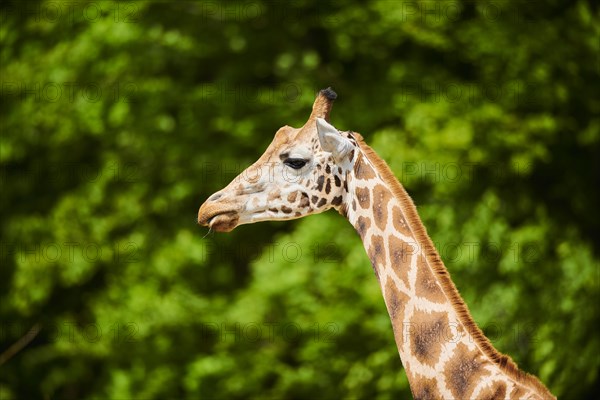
(295, 163)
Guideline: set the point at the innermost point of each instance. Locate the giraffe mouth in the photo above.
(222, 221)
(218, 217)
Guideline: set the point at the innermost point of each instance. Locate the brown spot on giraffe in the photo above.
(364, 198)
(362, 226)
(399, 221)
(400, 254)
(286, 209)
(351, 155)
(428, 332)
(346, 181)
(354, 204)
(252, 175)
(328, 186)
(337, 200)
(304, 201)
(463, 371)
(396, 301)
(314, 199)
(321, 202)
(426, 389)
(381, 198)
(377, 253)
(337, 181)
(362, 170)
(274, 195)
(292, 196)
(426, 284)
(320, 181)
(497, 390)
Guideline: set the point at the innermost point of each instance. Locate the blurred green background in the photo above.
(119, 119)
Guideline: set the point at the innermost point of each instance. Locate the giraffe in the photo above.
(314, 168)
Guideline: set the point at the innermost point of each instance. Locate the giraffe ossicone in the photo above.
(311, 169)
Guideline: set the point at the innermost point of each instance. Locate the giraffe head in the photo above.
(302, 172)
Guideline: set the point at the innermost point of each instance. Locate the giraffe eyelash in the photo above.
(295, 163)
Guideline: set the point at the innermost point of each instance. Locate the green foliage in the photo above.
(119, 119)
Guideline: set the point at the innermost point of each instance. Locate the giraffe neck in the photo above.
(444, 353)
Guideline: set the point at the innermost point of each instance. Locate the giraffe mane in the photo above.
(504, 362)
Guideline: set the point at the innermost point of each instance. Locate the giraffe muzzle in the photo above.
(218, 217)
(224, 222)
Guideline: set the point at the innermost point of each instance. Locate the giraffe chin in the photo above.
(225, 222)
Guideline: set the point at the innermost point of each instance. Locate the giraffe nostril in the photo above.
(215, 197)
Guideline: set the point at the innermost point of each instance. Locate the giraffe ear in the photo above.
(332, 141)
